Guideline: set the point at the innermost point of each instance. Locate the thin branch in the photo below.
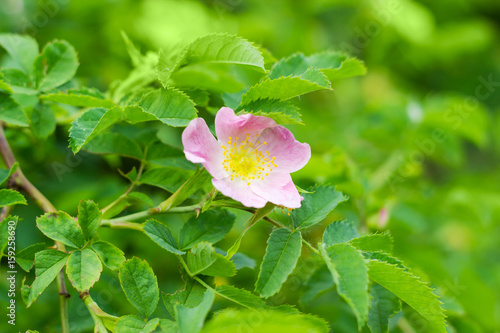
(20, 180)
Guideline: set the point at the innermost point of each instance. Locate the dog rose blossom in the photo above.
(251, 159)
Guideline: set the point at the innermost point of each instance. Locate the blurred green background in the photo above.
(415, 143)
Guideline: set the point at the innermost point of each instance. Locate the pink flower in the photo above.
(251, 160)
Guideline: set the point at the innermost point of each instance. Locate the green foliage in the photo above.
(83, 269)
(285, 88)
(242, 297)
(162, 236)
(350, 274)
(22, 49)
(410, 290)
(89, 218)
(89, 98)
(282, 253)
(339, 232)
(269, 322)
(110, 255)
(316, 206)
(210, 226)
(134, 324)
(383, 305)
(11, 197)
(11, 112)
(61, 227)
(48, 264)
(91, 123)
(26, 257)
(56, 65)
(7, 230)
(43, 121)
(374, 138)
(202, 259)
(170, 106)
(140, 285)
(190, 319)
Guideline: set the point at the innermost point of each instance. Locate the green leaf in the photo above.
(242, 260)
(284, 88)
(43, 121)
(83, 269)
(188, 188)
(350, 274)
(316, 206)
(89, 98)
(320, 281)
(141, 197)
(242, 297)
(202, 259)
(411, 290)
(114, 143)
(161, 235)
(89, 218)
(61, 227)
(191, 319)
(26, 257)
(48, 264)
(7, 229)
(91, 123)
(5, 174)
(134, 324)
(349, 68)
(110, 255)
(19, 82)
(339, 232)
(191, 296)
(231, 320)
(168, 326)
(210, 226)
(11, 112)
(226, 49)
(283, 112)
(56, 65)
(4, 86)
(168, 178)
(139, 285)
(22, 48)
(170, 106)
(10, 197)
(383, 305)
(335, 65)
(200, 97)
(282, 252)
(374, 242)
(381, 256)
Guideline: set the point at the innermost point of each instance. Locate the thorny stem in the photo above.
(20, 180)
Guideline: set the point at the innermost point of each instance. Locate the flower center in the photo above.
(245, 159)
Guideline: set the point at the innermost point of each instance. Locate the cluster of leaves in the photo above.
(39, 92)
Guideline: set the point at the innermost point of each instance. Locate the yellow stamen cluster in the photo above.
(283, 209)
(244, 158)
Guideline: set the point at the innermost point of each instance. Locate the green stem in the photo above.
(63, 305)
(23, 182)
(153, 211)
(121, 225)
(98, 315)
(124, 195)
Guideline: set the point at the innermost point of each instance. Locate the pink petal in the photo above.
(200, 146)
(279, 189)
(239, 191)
(291, 155)
(227, 124)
